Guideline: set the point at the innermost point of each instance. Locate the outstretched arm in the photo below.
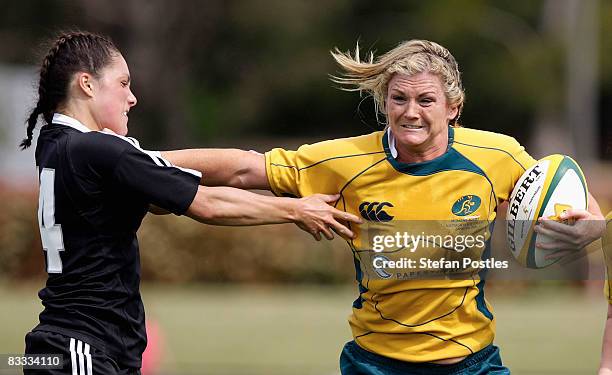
(224, 167)
(247, 170)
(230, 206)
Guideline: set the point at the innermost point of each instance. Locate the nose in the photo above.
(411, 111)
(132, 99)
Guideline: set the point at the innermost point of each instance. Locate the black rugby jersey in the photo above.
(95, 189)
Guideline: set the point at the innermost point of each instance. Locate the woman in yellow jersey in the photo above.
(605, 367)
(421, 169)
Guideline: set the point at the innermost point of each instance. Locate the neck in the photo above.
(425, 152)
(81, 114)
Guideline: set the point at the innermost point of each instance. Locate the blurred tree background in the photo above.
(211, 70)
(255, 74)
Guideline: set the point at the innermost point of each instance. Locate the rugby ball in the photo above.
(554, 184)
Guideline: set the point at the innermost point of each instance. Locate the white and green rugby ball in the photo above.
(555, 183)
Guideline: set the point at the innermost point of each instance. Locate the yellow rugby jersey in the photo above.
(606, 245)
(414, 320)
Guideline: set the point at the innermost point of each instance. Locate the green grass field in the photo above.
(234, 330)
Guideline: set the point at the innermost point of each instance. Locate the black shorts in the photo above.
(80, 358)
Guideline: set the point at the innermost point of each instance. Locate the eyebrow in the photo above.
(429, 92)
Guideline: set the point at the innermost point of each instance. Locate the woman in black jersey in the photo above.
(96, 185)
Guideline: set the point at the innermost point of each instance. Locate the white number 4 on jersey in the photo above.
(50, 233)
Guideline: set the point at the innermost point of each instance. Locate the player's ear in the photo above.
(84, 82)
(452, 112)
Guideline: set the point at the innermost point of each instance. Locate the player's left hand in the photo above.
(569, 238)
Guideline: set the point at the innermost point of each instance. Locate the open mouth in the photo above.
(412, 127)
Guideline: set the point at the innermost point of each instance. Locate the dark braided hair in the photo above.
(70, 53)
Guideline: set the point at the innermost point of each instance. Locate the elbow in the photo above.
(251, 174)
(247, 180)
(239, 179)
(244, 177)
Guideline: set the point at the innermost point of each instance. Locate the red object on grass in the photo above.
(153, 354)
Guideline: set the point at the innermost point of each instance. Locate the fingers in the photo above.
(338, 214)
(315, 230)
(542, 229)
(556, 227)
(343, 231)
(556, 245)
(575, 214)
(319, 218)
(310, 230)
(328, 198)
(340, 228)
(576, 236)
(327, 233)
(345, 216)
(327, 230)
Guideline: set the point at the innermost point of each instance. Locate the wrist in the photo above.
(290, 208)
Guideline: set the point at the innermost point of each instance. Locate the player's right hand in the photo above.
(315, 215)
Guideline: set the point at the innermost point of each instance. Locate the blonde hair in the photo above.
(410, 57)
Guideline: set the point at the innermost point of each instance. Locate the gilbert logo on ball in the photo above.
(554, 184)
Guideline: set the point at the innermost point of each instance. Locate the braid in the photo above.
(32, 120)
(71, 52)
(41, 104)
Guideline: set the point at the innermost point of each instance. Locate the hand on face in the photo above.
(418, 114)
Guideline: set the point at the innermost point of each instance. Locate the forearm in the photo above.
(224, 167)
(229, 206)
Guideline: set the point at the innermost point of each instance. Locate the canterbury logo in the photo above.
(374, 211)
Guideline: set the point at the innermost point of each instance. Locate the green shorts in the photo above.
(355, 360)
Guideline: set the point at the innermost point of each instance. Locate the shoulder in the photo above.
(99, 150)
(98, 141)
(335, 153)
(491, 149)
(499, 156)
(484, 139)
(360, 145)
(101, 144)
